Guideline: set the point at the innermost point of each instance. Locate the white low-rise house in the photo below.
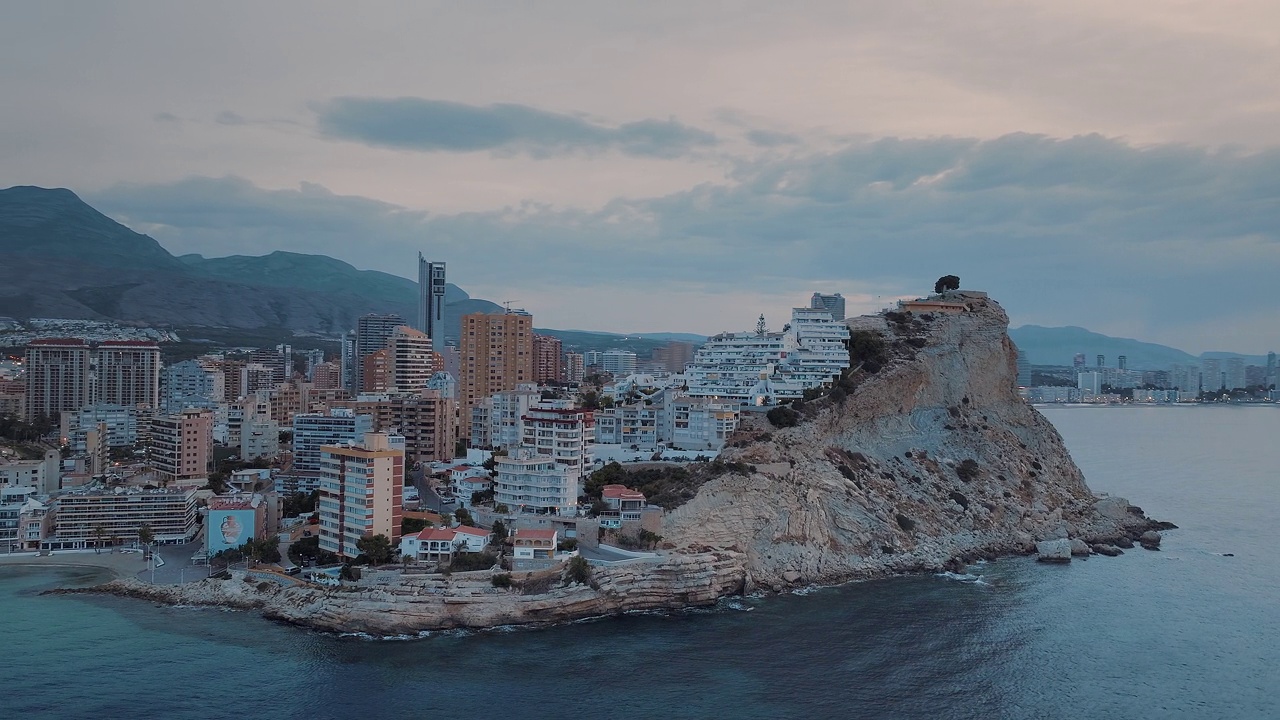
(464, 480)
(471, 539)
(441, 544)
(534, 544)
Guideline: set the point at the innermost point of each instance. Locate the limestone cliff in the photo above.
(931, 459)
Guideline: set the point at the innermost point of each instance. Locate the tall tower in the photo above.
(497, 355)
(1124, 362)
(431, 287)
(57, 376)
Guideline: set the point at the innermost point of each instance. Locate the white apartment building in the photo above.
(530, 481)
(618, 363)
(762, 368)
(701, 423)
(121, 422)
(191, 384)
(496, 421)
(311, 431)
(81, 516)
(556, 429)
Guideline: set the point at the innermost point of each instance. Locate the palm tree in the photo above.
(146, 536)
(99, 532)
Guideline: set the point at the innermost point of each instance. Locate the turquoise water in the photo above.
(1181, 633)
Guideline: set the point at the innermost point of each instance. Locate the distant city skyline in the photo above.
(666, 167)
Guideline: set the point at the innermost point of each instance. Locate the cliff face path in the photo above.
(931, 461)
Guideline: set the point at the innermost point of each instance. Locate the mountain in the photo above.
(1058, 346)
(65, 259)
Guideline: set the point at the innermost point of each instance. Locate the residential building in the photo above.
(431, 300)
(260, 438)
(1233, 374)
(182, 446)
(674, 356)
(833, 304)
(1090, 382)
(763, 367)
(445, 384)
(618, 363)
(574, 367)
(441, 544)
(634, 424)
(1211, 376)
(377, 372)
(121, 422)
(496, 422)
(42, 474)
(326, 376)
(467, 480)
(556, 429)
(191, 384)
(1024, 370)
(24, 520)
(57, 376)
(548, 361)
(127, 372)
(531, 482)
(412, 360)
(700, 423)
(233, 520)
(624, 505)
(497, 355)
(311, 431)
(372, 333)
(534, 544)
(86, 516)
(426, 422)
(361, 487)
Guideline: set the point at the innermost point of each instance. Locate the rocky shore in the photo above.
(929, 463)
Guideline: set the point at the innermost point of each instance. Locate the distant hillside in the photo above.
(1058, 346)
(65, 259)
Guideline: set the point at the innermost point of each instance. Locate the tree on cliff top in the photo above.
(946, 282)
(377, 548)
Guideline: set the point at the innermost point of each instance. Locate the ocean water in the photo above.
(1182, 633)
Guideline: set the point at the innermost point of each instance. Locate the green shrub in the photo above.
(783, 417)
(968, 470)
(501, 581)
(578, 571)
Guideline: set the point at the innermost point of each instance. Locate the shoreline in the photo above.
(116, 564)
(406, 611)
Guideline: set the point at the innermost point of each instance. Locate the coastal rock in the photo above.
(791, 576)
(1054, 551)
(1079, 548)
(1123, 542)
(1150, 540)
(1108, 550)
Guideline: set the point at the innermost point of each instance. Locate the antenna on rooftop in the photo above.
(507, 304)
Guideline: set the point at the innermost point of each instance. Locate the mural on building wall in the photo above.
(229, 529)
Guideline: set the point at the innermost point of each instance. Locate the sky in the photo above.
(675, 166)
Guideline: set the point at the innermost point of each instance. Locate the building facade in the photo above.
(548, 361)
(496, 355)
(431, 299)
(532, 482)
(361, 493)
(181, 446)
(57, 374)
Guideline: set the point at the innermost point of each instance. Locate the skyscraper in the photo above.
(360, 492)
(431, 289)
(1024, 369)
(496, 355)
(548, 363)
(128, 373)
(833, 304)
(1271, 370)
(1102, 361)
(412, 360)
(1123, 361)
(372, 333)
(1078, 361)
(57, 376)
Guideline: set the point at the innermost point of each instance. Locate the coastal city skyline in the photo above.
(852, 147)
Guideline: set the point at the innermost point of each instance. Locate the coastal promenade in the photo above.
(120, 564)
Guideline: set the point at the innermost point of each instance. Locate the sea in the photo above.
(1190, 631)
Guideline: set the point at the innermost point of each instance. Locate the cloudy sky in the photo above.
(686, 166)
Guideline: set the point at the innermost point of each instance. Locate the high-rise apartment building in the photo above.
(574, 367)
(497, 421)
(1233, 374)
(191, 383)
(431, 299)
(57, 372)
(427, 421)
(1211, 379)
(377, 372)
(496, 355)
(833, 304)
(361, 487)
(311, 431)
(562, 432)
(674, 356)
(182, 445)
(548, 362)
(128, 373)
(413, 360)
(372, 333)
(1102, 361)
(1024, 369)
(618, 363)
(326, 376)
(1078, 361)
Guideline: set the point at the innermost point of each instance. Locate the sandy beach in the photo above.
(120, 564)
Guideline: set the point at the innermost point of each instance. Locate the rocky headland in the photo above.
(927, 463)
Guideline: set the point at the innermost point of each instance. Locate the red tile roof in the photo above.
(435, 534)
(58, 341)
(621, 492)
